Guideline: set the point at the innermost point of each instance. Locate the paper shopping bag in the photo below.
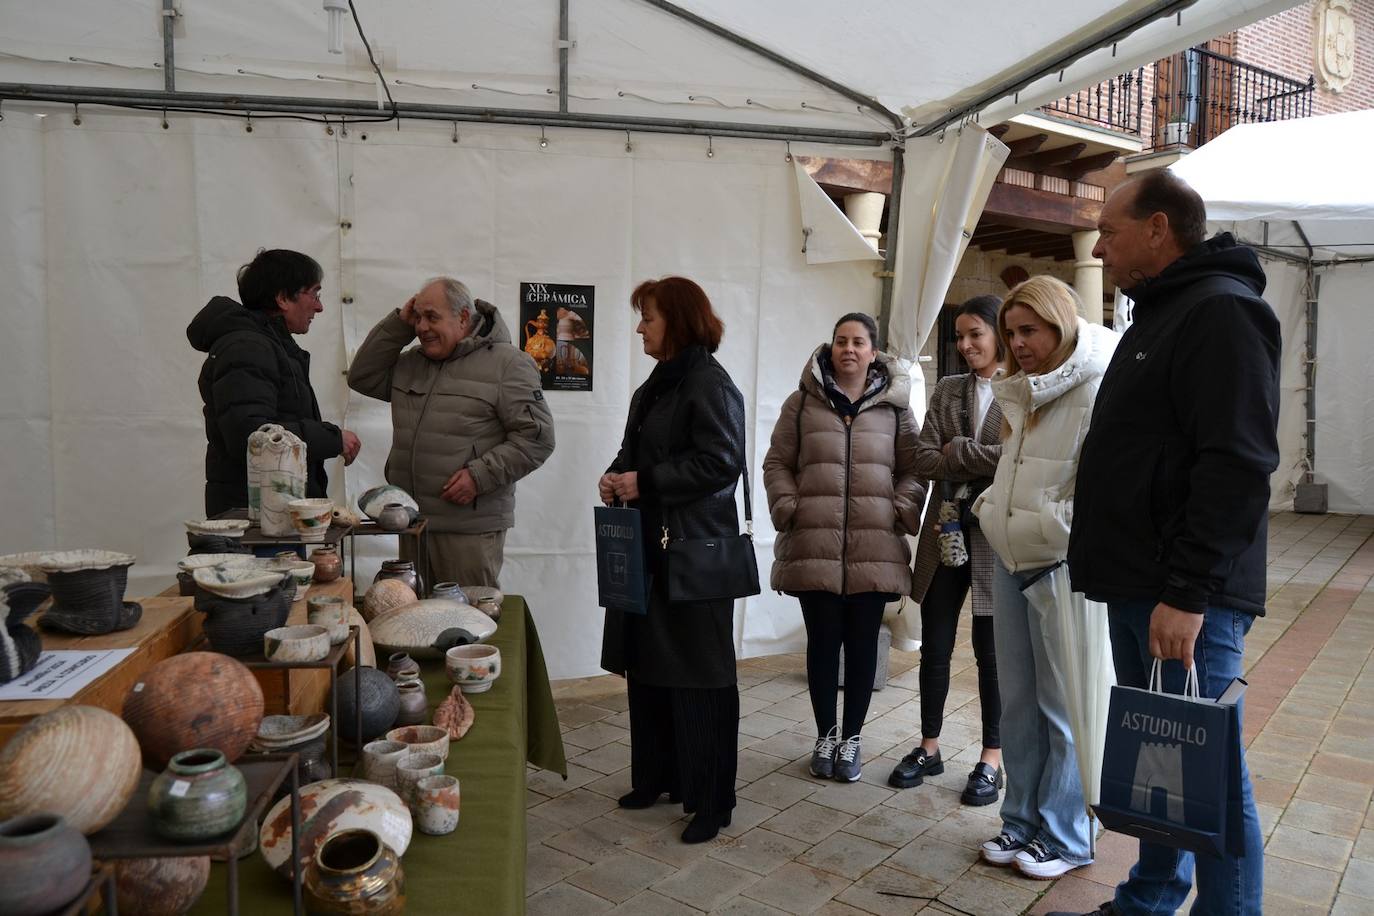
(620, 580)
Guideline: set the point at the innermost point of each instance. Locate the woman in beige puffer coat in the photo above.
(843, 492)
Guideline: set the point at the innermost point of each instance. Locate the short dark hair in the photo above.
(985, 308)
(865, 320)
(688, 318)
(1161, 191)
(275, 271)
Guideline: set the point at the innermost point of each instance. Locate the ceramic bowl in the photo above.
(305, 643)
(220, 527)
(285, 731)
(311, 518)
(474, 668)
(304, 574)
(427, 628)
(422, 739)
(237, 581)
(203, 560)
(64, 561)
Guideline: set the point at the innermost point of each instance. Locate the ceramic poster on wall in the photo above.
(556, 331)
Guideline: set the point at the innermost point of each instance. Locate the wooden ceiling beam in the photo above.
(1079, 167)
(1026, 145)
(1028, 208)
(999, 130)
(1038, 161)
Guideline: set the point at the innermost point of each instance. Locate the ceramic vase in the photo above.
(45, 862)
(198, 796)
(195, 699)
(328, 564)
(437, 801)
(378, 699)
(160, 887)
(276, 476)
(327, 807)
(19, 645)
(355, 872)
(450, 590)
(401, 664)
(380, 759)
(51, 766)
(395, 517)
(330, 612)
(402, 570)
(414, 708)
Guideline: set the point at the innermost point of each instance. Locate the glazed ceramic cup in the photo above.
(311, 518)
(380, 759)
(330, 612)
(296, 644)
(422, 739)
(413, 767)
(474, 668)
(437, 801)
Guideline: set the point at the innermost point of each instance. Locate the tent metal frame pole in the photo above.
(1020, 80)
(169, 17)
(888, 275)
(1314, 285)
(563, 47)
(211, 103)
(782, 61)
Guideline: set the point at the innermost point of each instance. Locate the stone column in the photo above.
(1087, 274)
(865, 211)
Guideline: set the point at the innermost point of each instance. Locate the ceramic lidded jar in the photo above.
(328, 565)
(403, 570)
(437, 801)
(355, 872)
(414, 707)
(46, 863)
(198, 796)
(394, 517)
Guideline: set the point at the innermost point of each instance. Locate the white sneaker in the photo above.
(1001, 849)
(1036, 861)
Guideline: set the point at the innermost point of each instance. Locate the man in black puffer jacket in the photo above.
(255, 373)
(1170, 509)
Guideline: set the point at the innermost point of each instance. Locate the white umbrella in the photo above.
(1079, 654)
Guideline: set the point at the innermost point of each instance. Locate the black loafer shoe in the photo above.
(983, 785)
(914, 768)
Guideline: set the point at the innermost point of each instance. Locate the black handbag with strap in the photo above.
(716, 568)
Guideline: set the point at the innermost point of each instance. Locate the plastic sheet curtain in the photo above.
(116, 232)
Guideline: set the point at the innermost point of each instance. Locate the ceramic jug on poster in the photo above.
(276, 476)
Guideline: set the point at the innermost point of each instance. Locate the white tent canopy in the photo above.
(125, 205)
(1298, 191)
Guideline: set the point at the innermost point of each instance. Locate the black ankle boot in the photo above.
(639, 798)
(705, 826)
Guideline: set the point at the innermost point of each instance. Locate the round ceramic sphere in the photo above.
(385, 595)
(196, 699)
(78, 762)
(380, 702)
(160, 887)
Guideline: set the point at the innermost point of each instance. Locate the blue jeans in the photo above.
(1044, 797)
(1161, 878)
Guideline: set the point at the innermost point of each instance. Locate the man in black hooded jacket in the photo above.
(255, 373)
(1170, 507)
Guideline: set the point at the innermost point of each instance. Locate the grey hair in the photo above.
(458, 297)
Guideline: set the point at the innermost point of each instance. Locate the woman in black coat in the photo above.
(682, 454)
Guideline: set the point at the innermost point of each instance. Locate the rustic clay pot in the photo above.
(429, 739)
(394, 517)
(450, 590)
(437, 800)
(198, 796)
(196, 699)
(385, 595)
(77, 762)
(355, 872)
(413, 767)
(19, 645)
(327, 807)
(46, 863)
(379, 700)
(160, 887)
(380, 759)
(328, 564)
(414, 708)
(402, 570)
(400, 664)
(235, 626)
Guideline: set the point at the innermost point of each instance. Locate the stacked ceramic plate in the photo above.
(219, 527)
(237, 581)
(280, 732)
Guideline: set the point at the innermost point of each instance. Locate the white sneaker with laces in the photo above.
(1001, 849)
(1037, 861)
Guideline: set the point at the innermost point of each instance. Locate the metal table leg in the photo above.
(232, 861)
(297, 904)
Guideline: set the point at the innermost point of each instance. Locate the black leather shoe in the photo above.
(705, 827)
(983, 784)
(643, 798)
(914, 768)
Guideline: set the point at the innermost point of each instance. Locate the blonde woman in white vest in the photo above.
(1054, 366)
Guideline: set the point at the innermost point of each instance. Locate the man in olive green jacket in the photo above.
(468, 420)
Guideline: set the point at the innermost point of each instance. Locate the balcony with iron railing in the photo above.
(1187, 99)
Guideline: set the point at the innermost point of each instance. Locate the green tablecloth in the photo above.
(481, 865)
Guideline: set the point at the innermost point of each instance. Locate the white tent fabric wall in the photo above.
(145, 224)
(1345, 376)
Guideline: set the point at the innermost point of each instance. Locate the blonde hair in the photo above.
(1055, 302)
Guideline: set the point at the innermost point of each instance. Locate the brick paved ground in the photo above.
(800, 845)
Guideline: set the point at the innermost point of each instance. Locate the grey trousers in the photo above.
(468, 559)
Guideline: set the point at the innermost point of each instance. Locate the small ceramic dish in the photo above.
(202, 560)
(237, 581)
(221, 527)
(430, 739)
(311, 518)
(304, 643)
(474, 668)
(285, 731)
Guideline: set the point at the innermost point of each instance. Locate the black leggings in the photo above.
(939, 620)
(832, 621)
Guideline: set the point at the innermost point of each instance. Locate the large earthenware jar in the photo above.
(45, 862)
(198, 796)
(379, 702)
(328, 565)
(160, 887)
(78, 762)
(195, 699)
(403, 570)
(355, 872)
